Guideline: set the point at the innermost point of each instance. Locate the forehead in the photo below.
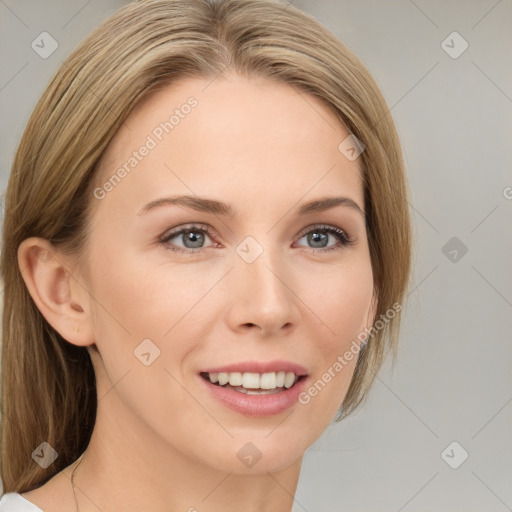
(228, 136)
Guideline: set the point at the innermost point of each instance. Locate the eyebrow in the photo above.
(215, 207)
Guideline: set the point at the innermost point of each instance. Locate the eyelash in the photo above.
(344, 239)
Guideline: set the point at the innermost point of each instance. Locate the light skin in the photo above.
(160, 441)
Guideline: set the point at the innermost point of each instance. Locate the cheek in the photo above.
(340, 304)
(340, 300)
(133, 302)
(141, 321)
(132, 296)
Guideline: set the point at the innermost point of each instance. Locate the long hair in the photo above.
(48, 384)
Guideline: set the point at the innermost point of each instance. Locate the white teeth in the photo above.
(269, 380)
(235, 379)
(289, 380)
(250, 380)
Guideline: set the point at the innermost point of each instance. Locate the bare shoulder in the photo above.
(56, 495)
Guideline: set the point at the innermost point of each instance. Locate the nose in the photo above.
(262, 296)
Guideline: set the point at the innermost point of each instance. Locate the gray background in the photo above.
(452, 380)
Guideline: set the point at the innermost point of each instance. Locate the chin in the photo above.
(268, 453)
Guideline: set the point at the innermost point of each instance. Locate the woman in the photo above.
(206, 247)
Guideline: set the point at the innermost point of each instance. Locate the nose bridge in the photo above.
(263, 293)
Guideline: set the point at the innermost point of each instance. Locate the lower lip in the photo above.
(257, 405)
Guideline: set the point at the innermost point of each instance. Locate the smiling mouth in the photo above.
(288, 381)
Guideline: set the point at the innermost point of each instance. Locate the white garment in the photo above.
(14, 502)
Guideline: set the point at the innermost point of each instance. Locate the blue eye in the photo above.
(193, 237)
(319, 234)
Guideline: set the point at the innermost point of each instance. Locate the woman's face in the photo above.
(264, 283)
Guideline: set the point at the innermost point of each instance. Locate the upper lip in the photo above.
(260, 367)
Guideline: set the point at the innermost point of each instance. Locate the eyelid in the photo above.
(344, 238)
(189, 225)
(320, 226)
(178, 230)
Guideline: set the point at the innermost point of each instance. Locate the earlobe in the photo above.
(49, 279)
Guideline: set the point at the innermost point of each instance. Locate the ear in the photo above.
(60, 298)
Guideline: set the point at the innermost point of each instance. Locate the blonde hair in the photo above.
(48, 384)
